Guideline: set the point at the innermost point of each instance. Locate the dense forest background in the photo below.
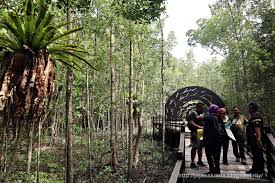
(130, 74)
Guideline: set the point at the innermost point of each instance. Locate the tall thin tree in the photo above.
(162, 108)
(113, 103)
(69, 115)
(130, 112)
(89, 124)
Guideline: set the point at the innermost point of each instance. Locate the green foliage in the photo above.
(44, 178)
(100, 146)
(248, 55)
(19, 176)
(140, 10)
(80, 5)
(107, 174)
(36, 29)
(49, 178)
(213, 33)
(147, 147)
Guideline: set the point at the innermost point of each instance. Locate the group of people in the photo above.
(215, 129)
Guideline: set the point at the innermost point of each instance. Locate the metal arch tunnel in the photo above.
(186, 98)
(179, 104)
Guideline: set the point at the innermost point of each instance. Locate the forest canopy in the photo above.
(81, 81)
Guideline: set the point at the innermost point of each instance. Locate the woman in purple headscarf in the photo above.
(211, 139)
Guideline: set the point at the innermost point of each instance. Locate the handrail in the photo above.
(176, 172)
(270, 153)
(181, 151)
(180, 164)
(271, 139)
(176, 125)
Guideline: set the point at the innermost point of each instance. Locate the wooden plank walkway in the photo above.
(233, 167)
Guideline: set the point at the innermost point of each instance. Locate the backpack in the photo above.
(212, 129)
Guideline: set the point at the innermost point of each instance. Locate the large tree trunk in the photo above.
(69, 115)
(130, 115)
(113, 143)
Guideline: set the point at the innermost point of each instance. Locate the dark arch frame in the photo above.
(174, 106)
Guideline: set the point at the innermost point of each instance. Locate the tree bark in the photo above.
(92, 112)
(113, 143)
(123, 118)
(29, 156)
(89, 125)
(69, 115)
(162, 108)
(130, 114)
(138, 138)
(5, 149)
(140, 113)
(38, 151)
(69, 119)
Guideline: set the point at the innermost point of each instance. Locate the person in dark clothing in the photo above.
(223, 119)
(255, 132)
(211, 136)
(194, 123)
(238, 125)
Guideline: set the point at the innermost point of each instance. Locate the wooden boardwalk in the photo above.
(233, 167)
(234, 172)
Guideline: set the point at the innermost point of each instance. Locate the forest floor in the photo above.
(150, 167)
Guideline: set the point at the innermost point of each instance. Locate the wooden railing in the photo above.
(173, 125)
(270, 153)
(180, 164)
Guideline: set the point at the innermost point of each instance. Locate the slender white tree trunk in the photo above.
(162, 108)
(130, 115)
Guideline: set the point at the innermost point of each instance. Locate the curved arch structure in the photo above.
(185, 99)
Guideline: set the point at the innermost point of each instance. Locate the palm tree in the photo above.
(30, 44)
